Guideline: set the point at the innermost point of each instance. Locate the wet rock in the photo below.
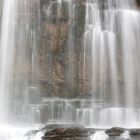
(138, 2)
(54, 126)
(66, 132)
(62, 138)
(61, 23)
(115, 131)
(134, 132)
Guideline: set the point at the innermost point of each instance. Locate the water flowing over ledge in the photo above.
(69, 61)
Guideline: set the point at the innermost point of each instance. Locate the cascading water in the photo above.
(110, 55)
(102, 64)
(17, 46)
(6, 62)
(111, 33)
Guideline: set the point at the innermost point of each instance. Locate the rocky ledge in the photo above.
(66, 132)
(79, 132)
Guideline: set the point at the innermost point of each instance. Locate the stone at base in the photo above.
(66, 138)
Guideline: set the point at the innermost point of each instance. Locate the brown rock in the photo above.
(115, 131)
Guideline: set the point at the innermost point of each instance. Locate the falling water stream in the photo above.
(6, 62)
(15, 28)
(110, 54)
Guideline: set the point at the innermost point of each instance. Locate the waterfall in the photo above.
(6, 62)
(111, 34)
(69, 61)
(18, 41)
(19, 70)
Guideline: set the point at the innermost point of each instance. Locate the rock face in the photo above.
(138, 2)
(61, 51)
(59, 68)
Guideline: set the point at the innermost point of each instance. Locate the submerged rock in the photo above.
(115, 131)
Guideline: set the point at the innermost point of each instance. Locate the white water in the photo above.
(125, 135)
(18, 133)
(12, 52)
(11, 133)
(99, 136)
(7, 39)
(112, 34)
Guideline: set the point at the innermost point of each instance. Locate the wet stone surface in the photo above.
(79, 132)
(116, 131)
(67, 132)
(134, 132)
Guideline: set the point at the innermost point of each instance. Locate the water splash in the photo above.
(110, 56)
(125, 135)
(18, 133)
(99, 136)
(12, 133)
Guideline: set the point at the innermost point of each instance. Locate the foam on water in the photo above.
(99, 136)
(18, 133)
(126, 135)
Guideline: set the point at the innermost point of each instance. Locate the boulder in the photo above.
(115, 131)
(66, 132)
